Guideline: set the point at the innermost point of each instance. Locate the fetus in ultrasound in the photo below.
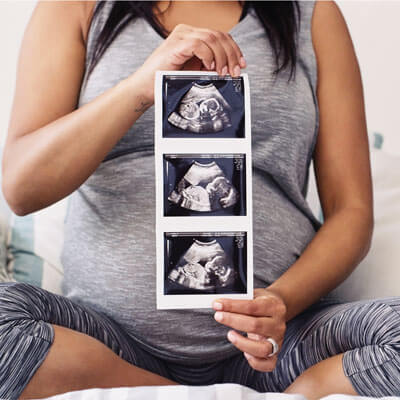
(202, 110)
(204, 188)
(205, 265)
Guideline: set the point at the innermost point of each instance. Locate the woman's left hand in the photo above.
(261, 318)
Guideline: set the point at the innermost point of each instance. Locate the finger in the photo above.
(189, 47)
(239, 54)
(261, 364)
(232, 60)
(261, 306)
(185, 29)
(256, 348)
(255, 336)
(234, 55)
(246, 323)
(212, 41)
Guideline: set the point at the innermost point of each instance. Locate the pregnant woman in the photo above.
(82, 123)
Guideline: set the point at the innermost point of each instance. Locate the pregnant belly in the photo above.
(109, 257)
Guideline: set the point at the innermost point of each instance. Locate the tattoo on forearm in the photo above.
(143, 105)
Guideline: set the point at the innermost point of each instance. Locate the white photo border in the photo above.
(166, 224)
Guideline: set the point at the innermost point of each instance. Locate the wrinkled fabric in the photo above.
(366, 332)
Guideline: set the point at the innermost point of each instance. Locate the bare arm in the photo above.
(342, 170)
(52, 147)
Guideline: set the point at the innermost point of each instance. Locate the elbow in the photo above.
(369, 230)
(18, 180)
(14, 196)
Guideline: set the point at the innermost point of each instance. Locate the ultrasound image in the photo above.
(204, 184)
(203, 105)
(205, 263)
(202, 109)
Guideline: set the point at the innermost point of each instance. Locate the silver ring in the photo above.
(275, 346)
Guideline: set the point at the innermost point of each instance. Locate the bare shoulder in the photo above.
(327, 11)
(76, 15)
(330, 33)
(51, 64)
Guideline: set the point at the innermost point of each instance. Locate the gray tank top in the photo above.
(109, 251)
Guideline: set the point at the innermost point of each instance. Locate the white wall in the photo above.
(373, 25)
(14, 16)
(375, 30)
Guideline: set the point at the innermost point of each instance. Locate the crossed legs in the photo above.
(76, 361)
(59, 346)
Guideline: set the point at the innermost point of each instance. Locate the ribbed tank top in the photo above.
(109, 250)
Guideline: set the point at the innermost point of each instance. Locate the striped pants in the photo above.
(367, 332)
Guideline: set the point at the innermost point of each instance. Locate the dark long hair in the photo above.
(279, 18)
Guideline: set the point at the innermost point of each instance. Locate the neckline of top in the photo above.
(239, 24)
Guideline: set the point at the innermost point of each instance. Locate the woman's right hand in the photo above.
(189, 47)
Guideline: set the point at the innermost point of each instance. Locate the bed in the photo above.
(214, 392)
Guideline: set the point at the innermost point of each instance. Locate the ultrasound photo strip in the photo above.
(203, 170)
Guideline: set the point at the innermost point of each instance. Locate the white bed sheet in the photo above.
(226, 391)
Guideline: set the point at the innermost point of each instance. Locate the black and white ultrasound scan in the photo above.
(206, 106)
(203, 189)
(205, 263)
(204, 184)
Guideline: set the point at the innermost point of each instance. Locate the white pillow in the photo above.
(34, 246)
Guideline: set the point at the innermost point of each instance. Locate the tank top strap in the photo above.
(305, 46)
(99, 18)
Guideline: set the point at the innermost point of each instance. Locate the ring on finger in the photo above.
(275, 346)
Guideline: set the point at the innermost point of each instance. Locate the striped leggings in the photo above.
(367, 332)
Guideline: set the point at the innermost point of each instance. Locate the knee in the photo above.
(374, 322)
(385, 324)
(388, 330)
(16, 299)
(22, 308)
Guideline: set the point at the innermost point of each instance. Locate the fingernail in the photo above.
(236, 70)
(218, 316)
(212, 66)
(224, 70)
(231, 337)
(248, 356)
(242, 62)
(217, 305)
